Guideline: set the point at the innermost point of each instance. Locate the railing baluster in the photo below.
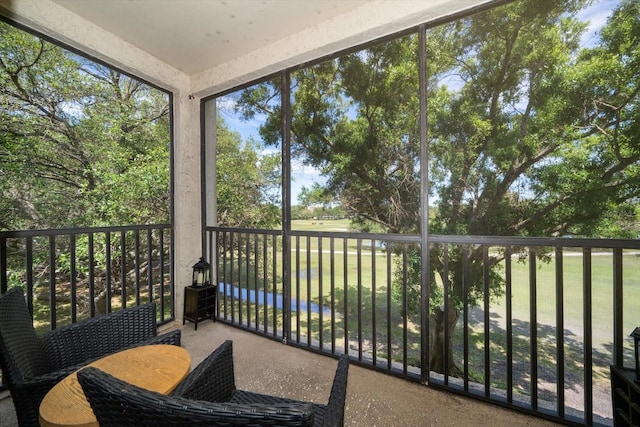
(247, 262)
(73, 276)
(487, 337)
(224, 275)
(389, 289)
(265, 281)
(107, 269)
(345, 308)
(533, 327)
(74, 252)
(588, 330)
(29, 275)
(256, 275)
(465, 313)
(320, 295)
(445, 284)
(286, 305)
(161, 268)
(241, 300)
(374, 332)
(232, 281)
(405, 310)
(332, 268)
(136, 251)
(92, 277)
(247, 268)
(560, 331)
(297, 299)
(509, 320)
(52, 282)
(308, 277)
(123, 268)
(359, 293)
(618, 310)
(150, 264)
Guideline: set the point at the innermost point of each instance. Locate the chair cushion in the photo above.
(21, 351)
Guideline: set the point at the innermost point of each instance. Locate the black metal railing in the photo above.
(535, 322)
(72, 274)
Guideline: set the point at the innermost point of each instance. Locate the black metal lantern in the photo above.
(201, 273)
(636, 348)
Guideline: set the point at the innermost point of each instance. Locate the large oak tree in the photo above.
(529, 134)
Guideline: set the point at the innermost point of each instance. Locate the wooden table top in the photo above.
(154, 367)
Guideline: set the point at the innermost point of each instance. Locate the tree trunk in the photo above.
(437, 344)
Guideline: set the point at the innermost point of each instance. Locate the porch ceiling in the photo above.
(196, 35)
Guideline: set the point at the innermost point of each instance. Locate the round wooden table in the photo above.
(154, 367)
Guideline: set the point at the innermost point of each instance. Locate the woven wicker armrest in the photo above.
(335, 407)
(172, 338)
(213, 379)
(28, 394)
(116, 403)
(51, 378)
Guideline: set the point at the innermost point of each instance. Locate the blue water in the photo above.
(250, 295)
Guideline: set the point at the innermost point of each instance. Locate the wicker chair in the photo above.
(33, 364)
(208, 397)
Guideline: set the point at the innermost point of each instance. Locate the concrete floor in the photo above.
(373, 399)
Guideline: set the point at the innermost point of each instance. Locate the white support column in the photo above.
(210, 166)
(187, 200)
(210, 189)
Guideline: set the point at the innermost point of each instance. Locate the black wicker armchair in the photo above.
(208, 397)
(32, 364)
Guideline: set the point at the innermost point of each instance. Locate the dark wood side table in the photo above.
(199, 303)
(625, 393)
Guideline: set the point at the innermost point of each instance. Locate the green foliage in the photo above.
(81, 145)
(346, 123)
(245, 182)
(521, 141)
(315, 195)
(529, 134)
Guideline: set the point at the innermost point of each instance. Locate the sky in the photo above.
(597, 15)
(305, 176)
(302, 176)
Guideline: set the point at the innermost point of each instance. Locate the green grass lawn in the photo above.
(574, 294)
(546, 305)
(306, 281)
